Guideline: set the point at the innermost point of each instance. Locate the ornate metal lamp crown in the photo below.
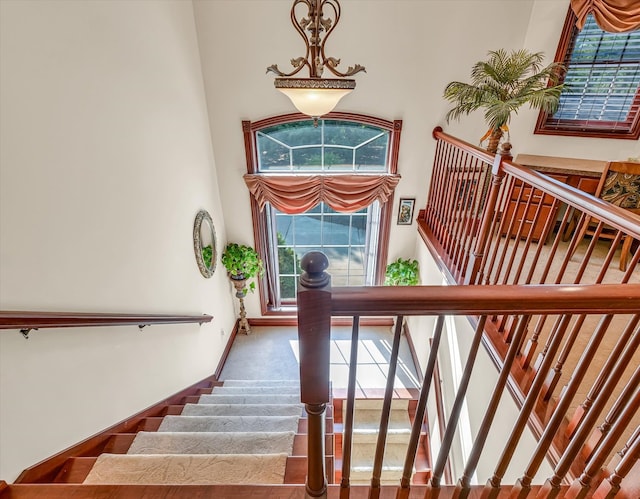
(315, 96)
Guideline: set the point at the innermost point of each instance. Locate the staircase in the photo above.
(367, 415)
(213, 433)
(242, 432)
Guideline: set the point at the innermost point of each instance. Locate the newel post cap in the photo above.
(314, 265)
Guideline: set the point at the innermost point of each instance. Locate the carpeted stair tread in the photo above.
(228, 423)
(249, 399)
(242, 410)
(212, 443)
(256, 390)
(367, 424)
(362, 463)
(261, 382)
(187, 469)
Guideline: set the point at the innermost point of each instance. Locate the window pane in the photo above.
(271, 154)
(373, 156)
(299, 133)
(288, 287)
(284, 227)
(307, 158)
(336, 158)
(308, 230)
(348, 134)
(336, 229)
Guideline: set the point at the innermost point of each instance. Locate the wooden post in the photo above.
(314, 334)
(472, 275)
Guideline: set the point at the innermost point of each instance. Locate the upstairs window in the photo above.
(601, 97)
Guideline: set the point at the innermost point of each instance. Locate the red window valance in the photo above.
(295, 194)
(615, 16)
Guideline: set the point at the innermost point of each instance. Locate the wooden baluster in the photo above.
(523, 486)
(492, 488)
(498, 228)
(626, 337)
(347, 433)
(452, 424)
(551, 487)
(533, 262)
(470, 227)
(475, 259)
(374, 491)
(405, 482)
(433, 196)
(600, 433)
(314, 333)
(609, 488)
(464, 484)
(582, 485)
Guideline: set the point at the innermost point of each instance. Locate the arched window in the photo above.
(326, 187)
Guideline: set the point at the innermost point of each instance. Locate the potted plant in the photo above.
(501, 85)
(402, 273)
(242, 264)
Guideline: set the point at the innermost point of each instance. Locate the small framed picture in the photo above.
(405, 211)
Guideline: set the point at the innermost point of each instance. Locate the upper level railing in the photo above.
(26, 321)
(476, 200)
(582, 449)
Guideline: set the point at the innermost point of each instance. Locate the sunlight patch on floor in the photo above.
(373, 365)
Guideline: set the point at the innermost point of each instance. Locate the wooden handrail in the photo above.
(614, 215)
(317, 302)
(28, 320)
(475, 300)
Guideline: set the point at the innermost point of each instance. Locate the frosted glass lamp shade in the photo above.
(314, 96)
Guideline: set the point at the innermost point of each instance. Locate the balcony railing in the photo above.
(556, 312)
(584, 447)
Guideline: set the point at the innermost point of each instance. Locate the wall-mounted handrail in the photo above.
(26, 321)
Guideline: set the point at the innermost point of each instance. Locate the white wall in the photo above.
(105, 160)
(411, 50)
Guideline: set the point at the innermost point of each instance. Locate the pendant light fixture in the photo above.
(315, 96)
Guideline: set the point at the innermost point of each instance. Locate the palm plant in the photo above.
(501, 85)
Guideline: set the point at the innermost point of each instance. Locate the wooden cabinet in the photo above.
(535, 206)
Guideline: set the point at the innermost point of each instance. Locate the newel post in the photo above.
(473, 275)
(314, 335)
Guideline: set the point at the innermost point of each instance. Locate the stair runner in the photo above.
(241, 433)
(366, 425)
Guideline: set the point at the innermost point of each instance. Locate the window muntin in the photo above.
(601, 95)
(331, 147)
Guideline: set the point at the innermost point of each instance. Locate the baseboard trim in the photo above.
(227, 349)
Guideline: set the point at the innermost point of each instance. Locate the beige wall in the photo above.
(411, 49)
(105, 160)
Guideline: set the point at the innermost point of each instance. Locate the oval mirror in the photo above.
(204, 243)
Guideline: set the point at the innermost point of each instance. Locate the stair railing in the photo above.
(26, 321)
(318, 302)
(478, 220)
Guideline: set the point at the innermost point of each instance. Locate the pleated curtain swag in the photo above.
(614, 16)
(294, 194)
